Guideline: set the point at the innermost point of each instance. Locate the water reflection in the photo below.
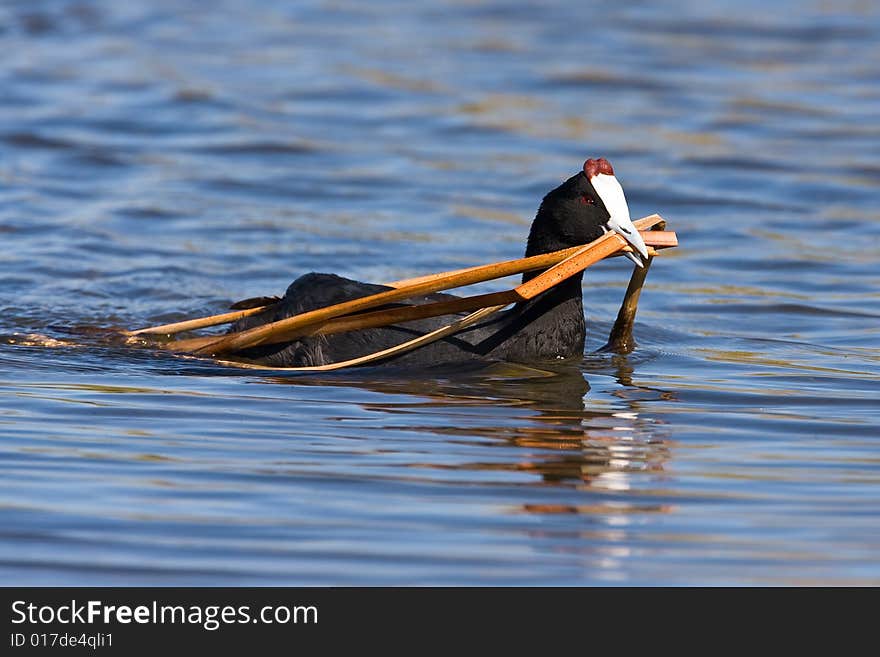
(563, 437)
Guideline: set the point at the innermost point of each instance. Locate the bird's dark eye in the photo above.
(586, 199)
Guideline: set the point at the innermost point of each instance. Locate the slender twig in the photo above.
(193, 324)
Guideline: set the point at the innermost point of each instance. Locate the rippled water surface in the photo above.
(159, 160)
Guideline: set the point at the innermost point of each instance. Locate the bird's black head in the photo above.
(582, 209)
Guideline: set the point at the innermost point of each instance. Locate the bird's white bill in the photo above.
(630, 255)
(611, 193)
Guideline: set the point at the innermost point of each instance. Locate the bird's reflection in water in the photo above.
(567, 438)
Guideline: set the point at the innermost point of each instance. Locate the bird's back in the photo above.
(525, 333)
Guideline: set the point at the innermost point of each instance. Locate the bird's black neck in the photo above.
(549, 326)
(542, 239)
(552, 324)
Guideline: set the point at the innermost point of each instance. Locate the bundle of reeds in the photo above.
(352, 315)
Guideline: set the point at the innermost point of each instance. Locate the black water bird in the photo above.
(547, 328)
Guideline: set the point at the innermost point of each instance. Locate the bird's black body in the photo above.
(548, 327)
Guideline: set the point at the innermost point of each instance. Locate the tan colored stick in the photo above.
(193, 324)
(302, 324)
(520, 265)
(482, 273)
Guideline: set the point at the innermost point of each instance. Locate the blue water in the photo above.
(159, 160)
